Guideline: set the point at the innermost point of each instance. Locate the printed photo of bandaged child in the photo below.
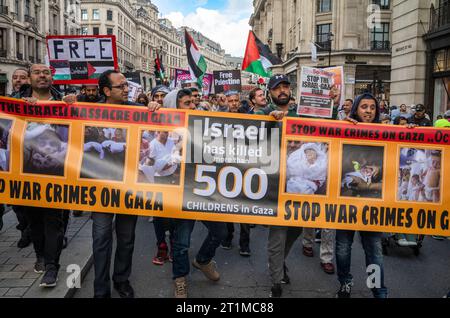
(104, 153)
(307, 167)
(160, 157)
(5, 131)
(362, 171)
(419, 175)
(45, 148)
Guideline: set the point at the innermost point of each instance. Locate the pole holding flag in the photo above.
(196, 61)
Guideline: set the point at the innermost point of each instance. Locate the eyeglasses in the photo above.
(121, 86)
(45, 72)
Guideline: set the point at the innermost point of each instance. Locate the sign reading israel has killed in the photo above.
(234, 167)
(81, 59)
(315, 90)
(227, 81)
(366, 177)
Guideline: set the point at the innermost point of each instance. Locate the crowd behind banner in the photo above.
(160, 154)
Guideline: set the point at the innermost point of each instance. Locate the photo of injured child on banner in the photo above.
(307, 167)
(5, 130)
(160, 157)
(104, 153)
(45, 148)
(420, 175)
(362, 173)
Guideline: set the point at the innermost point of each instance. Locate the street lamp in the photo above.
(330, 39)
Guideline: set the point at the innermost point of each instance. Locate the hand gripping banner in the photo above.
(225, 167)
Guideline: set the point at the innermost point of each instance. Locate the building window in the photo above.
(384, 4)
(322, 35)
(84, 14)
(442, 61)
(3, 50)
(109, 15)
(323, 6)
(84, 31)
(95, 14)
(109, 31)
(380, 37)
(95, 31)
(27, 7)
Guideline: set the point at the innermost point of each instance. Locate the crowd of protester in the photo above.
(45, 228)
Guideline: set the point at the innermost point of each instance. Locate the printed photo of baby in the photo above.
(104, 153)
(307, 168)
(160, 157)
(419, 175)
(45, 148)
(362, 171)
(5, 131)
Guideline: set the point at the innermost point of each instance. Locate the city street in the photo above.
(407, 276)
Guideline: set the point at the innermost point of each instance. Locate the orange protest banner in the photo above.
(224, 167)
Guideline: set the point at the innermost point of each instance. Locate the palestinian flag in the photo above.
(258, 57)
(159, 67)
(196, 61)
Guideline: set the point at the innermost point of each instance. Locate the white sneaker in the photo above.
(403, 242)
(412, 243)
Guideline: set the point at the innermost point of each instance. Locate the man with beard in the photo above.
(279, 97)
(91, 94)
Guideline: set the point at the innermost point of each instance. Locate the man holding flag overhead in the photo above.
(196, 61)
(258, 57)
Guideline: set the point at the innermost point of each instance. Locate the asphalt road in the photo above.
(406, 275)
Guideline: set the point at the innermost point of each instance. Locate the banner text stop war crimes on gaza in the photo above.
(225, 167)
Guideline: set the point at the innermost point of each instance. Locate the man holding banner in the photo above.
(47, 225)
(366, 110)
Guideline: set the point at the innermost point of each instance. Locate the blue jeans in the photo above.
(102, 233)
(182, 240)
(371, 242)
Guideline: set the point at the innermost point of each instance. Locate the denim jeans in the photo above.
(371, 242)
(217, 232)
(102, 233)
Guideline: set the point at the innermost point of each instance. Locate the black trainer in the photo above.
(245, 251)
(25, 239)
(345, 290)
(226, 245)
(276, 291)
(39, 266)
(50, 277)
(124, 289)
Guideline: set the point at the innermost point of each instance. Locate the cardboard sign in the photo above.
(184, 76)
(81, 59)
(315, 88)
(225, 167)
(227, 81)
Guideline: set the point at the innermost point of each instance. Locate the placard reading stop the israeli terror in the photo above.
(81, 59)
(233, 166)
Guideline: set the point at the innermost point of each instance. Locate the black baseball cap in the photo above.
(420, 108)
(277, 80)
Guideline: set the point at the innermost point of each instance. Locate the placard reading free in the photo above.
(81, 59)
